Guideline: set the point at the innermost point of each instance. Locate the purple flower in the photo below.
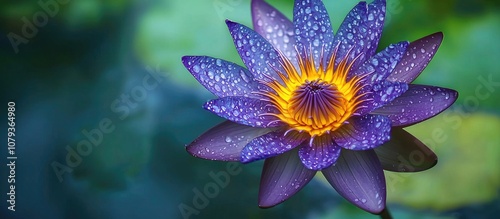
(310, 100)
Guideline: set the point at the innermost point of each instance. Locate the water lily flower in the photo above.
(310, 100)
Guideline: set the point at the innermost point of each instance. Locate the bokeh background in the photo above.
(86, 64)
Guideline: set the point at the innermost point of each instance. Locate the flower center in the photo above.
(315, 100)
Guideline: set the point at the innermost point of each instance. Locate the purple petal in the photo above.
(225, 141)
(385, 92)
(274, 27)
(405, 153)
(221, 77)
(282, 177)
(381, 94)
(361, 31)
(321, 153)
(359, 178)
(270, 145)
(244, 110)
(382, 64)
(363, 133)
(255, 51)
(418, 55)
(419, 103)
(313, 29)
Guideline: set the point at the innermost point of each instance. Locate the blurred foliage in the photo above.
(468, 147)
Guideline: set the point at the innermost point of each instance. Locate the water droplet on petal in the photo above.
(350, 36)
(196, 68)
(244, 76)
(370, 17)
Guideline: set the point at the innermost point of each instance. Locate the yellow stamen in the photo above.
(315, 100)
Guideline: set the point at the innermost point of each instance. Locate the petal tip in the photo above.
(185, 60)
(265, 204)
(438, 35)
(230, 23)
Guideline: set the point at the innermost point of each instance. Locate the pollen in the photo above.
(315, 100)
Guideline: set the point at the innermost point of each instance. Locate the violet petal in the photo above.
(282, 177)
(270, 145)
(362, 133)
(274, 27)
(405, 153)
(361, 31)
(359, 178)
(313, 30)
(381, 94)
(255, 51)
(419, 103)
(244, 110)
(382, 64)
(321, 153)
(221, 77)
(416, 58)
(225, 141)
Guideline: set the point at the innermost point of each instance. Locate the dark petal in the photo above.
(319, 154)
(225, 141)
(362, 133)
(382, 64)
(274, 27)
(381, 94)
(244, 110)
(270, 145)
(419, 103)
(418, 55)
(405, 153)
(361, 28)
(255, 51)
(313, 29)
(282, 177)
(221, 77)
(359, 178)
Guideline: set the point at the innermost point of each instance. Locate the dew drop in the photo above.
(244, 76)
(228, 139)
(217, 87)
(308, 10)
(196, 68)
(370, 17)
(350, 36)
(316, 42)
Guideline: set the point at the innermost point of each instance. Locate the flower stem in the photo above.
(385, 214)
